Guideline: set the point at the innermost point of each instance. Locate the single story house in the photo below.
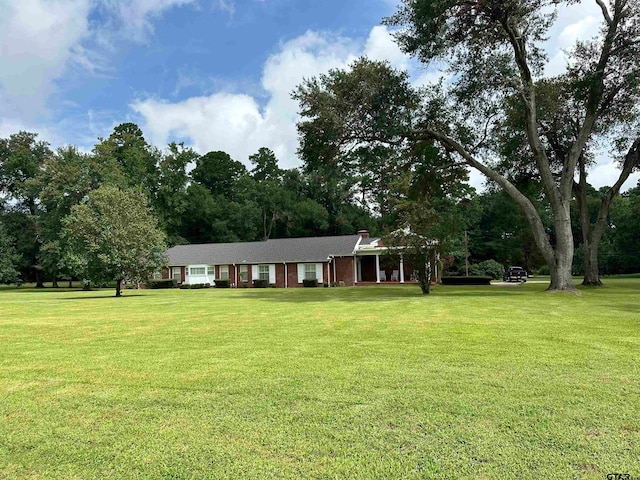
(286, 262)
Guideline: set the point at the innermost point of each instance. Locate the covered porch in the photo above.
(376, 268)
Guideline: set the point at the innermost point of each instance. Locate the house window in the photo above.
(310, 271)
(177, 275)
(198, 271)
(224, 272)
(263, 272)
(211, 271)
(244, 273)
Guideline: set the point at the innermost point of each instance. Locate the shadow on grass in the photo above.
(625, 307)
(377, 294)
(88, 297)
(14, 289)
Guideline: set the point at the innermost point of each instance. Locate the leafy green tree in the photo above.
(593, 230)
(218, 172)
(494, 49)
(431, 206)
(354, 129)
(171, 202)
(22, 158)
(358, 125)
(621, 254)
(271, 195)
(559, 115)
(136, 160)
(67, 178)
(502, 232)
(113, 235)
(265, 165)
(8, 257)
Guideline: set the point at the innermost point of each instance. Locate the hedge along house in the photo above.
(286, 262)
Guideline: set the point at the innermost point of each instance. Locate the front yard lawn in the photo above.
(371, 382)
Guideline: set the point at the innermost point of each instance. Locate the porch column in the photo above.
(401, 269)
(377, 268)
(335, 276)
(355, 270)
(286, 276)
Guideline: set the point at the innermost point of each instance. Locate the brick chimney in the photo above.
(363, 233)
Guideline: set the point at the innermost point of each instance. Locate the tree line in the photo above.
(196, 198)
(193, 199)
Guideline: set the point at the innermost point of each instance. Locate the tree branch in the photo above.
(485, 134)
(540, 234)
(529, 99)
(593, 105)
(631, 162)
(605, 11)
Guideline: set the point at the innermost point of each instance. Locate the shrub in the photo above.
(245, 284)
(311, 282)
(477, 280)
(544, 270)
(194, 286)
(164, 283)
(488, 268)
(223, 283)
(260, 283)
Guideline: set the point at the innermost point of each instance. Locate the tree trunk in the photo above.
(561, 278)
(591, 270)
(590, 243)
(70, 283)
(424, 273)
(118, 288)
(55, 283)
(435, 272)
(39, 277)
(561, 265)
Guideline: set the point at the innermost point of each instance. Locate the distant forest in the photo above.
(215, 198)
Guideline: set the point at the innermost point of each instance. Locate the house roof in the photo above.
(309, 249)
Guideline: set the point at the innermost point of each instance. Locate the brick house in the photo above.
(286, 262)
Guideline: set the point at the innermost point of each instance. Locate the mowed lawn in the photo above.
(371, 382)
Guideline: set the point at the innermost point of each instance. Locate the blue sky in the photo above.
(216, 74)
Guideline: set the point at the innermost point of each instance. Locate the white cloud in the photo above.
(10, 127)
(236, 124)
(576, 22)
(222, 121)
(606, 173)
(38, 39)
(382, 46)
(41, 39)
(137, 15)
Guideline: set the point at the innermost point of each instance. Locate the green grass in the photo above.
(373, 382)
